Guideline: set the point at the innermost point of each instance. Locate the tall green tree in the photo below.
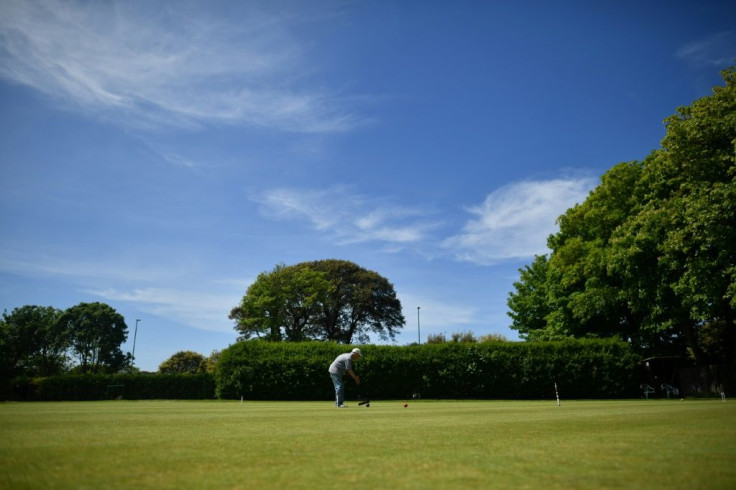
(359, 303)
(282, 304)
(650, 256)
(305, 289)
(682, 237)
(322, 300)
(33, 341)
(584, 298)
(529, 306)
(260, 312)
(572, 293)
(96, 332)
(701, 146)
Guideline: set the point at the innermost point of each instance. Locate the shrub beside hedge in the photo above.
(491, 370)
(104, 387)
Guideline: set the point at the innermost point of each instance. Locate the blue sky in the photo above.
(157, 156)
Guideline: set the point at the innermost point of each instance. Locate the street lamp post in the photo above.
(134, 337)
(419, 334)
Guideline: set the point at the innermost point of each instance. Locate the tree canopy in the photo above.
(650, 255)
(96, 332)
(43, 341)
(322, 300)
(184, 362)
(33, 341)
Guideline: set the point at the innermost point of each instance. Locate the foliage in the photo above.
(436, 338)
(108, 386)
(322, 300)
(96, 332)
(530, 306)
(32, 342)
(282, 304)
(466, 337)
(264, 370)
(649, 256)
(493, 337)
(211, 361)
(184, 362)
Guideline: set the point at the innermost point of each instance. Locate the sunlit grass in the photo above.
(430, 444)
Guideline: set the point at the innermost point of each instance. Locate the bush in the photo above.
(489, 370)
(259, 370)
(104, 387)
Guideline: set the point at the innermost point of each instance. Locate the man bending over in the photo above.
(341, 365)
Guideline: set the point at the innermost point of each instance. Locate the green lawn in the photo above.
(430, 444)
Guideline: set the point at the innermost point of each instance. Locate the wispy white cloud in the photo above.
(514, 221)
(46, 263)
(348, 216)
(151, 65)
(196, 308)
(168, 293)
(181, 161)
(716, 50)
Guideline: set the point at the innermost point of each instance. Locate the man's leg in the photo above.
(339, 393)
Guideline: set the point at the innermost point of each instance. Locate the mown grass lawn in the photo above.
(430, 444)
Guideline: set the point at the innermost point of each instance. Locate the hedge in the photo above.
(259, 370)
(105, 387)
(591, 368)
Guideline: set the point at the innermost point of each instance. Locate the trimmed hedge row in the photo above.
(491, 370)
(106, 387)
(259, 370)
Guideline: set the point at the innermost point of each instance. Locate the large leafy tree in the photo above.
(571, 293)
(360, 302)
(584, 298)
(650, 255)
(282, 304)
(682, 236)
(96, 332)
(529, 306)
(184, 362)
(325, 300)
(33, 341)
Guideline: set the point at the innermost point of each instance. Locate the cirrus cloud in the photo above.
(514, 221)
(347, 215)
(151, 65)
(718, 49)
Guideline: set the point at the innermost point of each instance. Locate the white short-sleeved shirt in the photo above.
(342, 364)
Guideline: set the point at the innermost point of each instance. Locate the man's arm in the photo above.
(354, 376)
